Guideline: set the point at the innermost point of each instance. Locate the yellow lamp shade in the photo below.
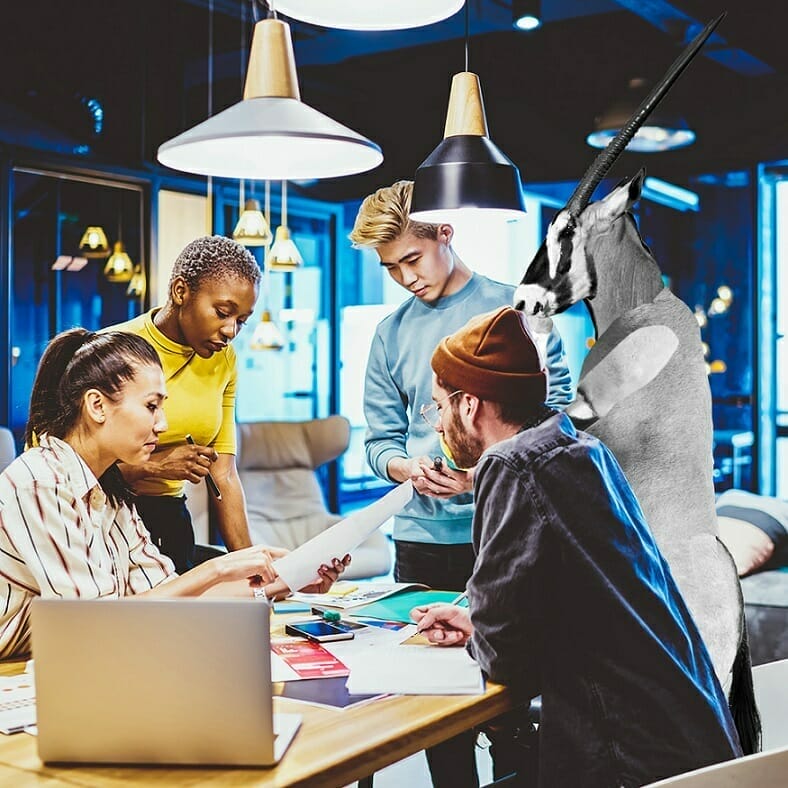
(119, 267)
(137, 284)
(94, 243)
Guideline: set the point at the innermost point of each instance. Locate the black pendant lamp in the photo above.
(467, 171)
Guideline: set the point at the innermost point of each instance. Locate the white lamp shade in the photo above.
(271, 134)
(252, 228)
(369, 14)
(266, 335)
(270, 139)
(284, 254)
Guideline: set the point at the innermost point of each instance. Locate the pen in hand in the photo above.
(209, 480)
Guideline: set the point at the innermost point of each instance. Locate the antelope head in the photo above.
(563, 271)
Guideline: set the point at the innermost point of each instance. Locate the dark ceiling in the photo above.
(146, 64)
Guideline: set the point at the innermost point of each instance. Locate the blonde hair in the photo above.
(384, 216)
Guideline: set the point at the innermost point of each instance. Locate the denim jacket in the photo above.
(571, 599)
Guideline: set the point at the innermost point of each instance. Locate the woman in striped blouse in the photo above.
(68, 526)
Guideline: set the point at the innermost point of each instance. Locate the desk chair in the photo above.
(762, 770)
(7, 447)
(276, 462)
(771, 695)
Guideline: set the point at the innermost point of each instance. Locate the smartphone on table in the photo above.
(318, 631)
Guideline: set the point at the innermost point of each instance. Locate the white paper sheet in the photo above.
(299, 567)
(417, 670)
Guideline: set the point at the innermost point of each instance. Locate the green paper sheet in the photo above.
(398, 606)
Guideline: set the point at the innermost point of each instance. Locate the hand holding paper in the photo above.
(297, 568)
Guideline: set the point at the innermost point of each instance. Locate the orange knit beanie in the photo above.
(494, 357)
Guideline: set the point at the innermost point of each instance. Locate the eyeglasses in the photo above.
(432, 413)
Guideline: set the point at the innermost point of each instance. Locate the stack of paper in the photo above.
(417, 670)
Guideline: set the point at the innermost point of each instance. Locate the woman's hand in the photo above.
(252, 563)
(182, 463)
(328, 576)
(442, 624)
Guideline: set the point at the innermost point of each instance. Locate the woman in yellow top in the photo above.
(212, 292)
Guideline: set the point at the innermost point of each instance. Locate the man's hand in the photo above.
(441, 482)
(442, 624)
(182, 463)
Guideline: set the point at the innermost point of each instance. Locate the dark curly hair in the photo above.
(74, 362)
(214, 257)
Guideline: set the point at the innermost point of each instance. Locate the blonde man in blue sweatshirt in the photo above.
(432, 534)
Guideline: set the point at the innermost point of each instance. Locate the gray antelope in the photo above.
(644, 392)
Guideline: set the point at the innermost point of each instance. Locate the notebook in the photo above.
(176, 681)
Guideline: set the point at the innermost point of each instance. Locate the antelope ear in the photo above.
(618, 202)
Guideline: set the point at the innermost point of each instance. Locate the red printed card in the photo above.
(309, 660)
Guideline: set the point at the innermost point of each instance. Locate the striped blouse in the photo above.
(61, 537)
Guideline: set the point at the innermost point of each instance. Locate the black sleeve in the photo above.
(504, 591)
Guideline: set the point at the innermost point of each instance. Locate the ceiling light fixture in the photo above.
(284, 254)
(267, 335)
(366, 15)
(271, 133)
(119, 267)
(526, 14)
(137, 284)
(252, 228)
(94, 243)
(663, 131)
(467, 171)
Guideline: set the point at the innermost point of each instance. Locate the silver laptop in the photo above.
(177, 681)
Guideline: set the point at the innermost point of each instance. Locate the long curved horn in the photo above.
(606, 158)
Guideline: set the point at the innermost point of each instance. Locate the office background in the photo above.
(90, 89)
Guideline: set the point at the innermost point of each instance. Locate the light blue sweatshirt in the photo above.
(399, 381)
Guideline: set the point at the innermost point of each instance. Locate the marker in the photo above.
(208, 479)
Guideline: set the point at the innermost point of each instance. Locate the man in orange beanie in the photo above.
(570, 597)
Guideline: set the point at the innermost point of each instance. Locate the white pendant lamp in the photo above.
(284, 254)
(267, 335)
(663, 131)
(271, 133)
(252, 228)
(369, 14)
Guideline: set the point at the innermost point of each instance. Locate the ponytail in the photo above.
(46, 410)
(74, 362)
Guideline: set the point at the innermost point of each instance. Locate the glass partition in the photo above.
(55, 284)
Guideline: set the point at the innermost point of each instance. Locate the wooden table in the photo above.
(331, 749)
